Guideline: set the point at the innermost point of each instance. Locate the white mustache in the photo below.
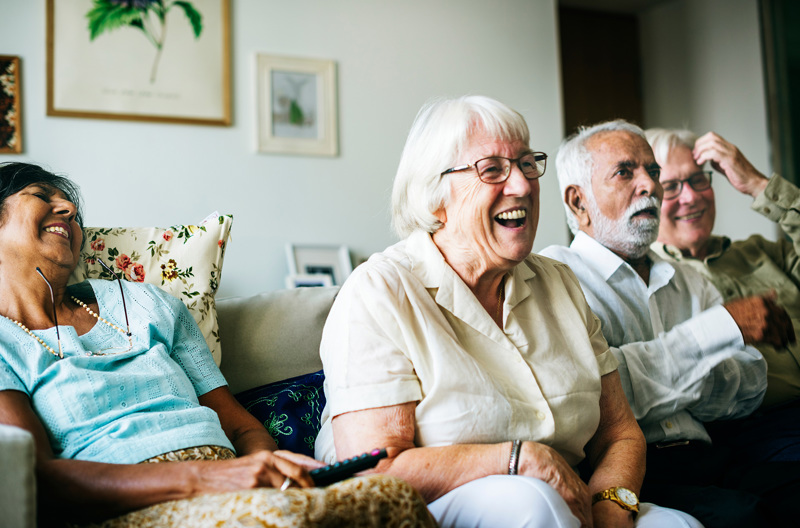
(646, 202)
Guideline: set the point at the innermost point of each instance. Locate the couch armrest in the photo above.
(272, 336)
(18, 481)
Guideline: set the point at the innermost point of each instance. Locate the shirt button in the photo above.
(123, 404)
(669, 425)
(540, 415)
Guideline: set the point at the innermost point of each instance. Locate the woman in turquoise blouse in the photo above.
(107, 375)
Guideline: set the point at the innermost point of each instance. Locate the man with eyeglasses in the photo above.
(741, 268)
(683, 354)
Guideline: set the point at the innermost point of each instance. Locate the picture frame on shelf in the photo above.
(296, 101)
(10, 105)
(331, 261)
(111, 61)
(308, 281)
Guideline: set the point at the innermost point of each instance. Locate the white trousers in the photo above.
(515, 501)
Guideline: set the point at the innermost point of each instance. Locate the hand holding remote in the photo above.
(346, 468)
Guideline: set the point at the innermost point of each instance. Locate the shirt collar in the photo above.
(603, 260)
(607, 263)
(716, 247)
(429, 266)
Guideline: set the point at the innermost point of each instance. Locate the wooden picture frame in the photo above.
(10, 105)
(110, 61)
(332, 261)
(296, 106)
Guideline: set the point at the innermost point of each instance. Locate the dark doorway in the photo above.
(600, 67)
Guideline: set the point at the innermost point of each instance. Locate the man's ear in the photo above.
(576, 201)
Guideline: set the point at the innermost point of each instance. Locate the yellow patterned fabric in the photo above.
(193, 453)
(371, 501)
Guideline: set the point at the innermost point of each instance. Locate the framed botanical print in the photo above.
(148, 60)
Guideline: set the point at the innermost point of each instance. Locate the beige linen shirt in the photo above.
(406, 328)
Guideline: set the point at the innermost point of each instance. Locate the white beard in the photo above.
(626, 235)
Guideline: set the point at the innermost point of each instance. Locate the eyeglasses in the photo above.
(699, 182)
(497, 169)
(104, 351)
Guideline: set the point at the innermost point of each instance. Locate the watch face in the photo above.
(627, 496)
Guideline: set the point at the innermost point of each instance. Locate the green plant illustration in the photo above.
(149, 16)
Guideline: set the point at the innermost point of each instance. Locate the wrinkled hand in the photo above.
(263, 469)
(299, 459)
(543, 462)
(761, 320)
(727, 159)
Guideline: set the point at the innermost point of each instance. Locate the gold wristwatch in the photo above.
(623, 496)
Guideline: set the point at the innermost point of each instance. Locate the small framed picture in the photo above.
(331, 261)
(296, 106)
(10, 105)
(308, 281)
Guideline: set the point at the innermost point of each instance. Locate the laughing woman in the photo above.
(114, 378)
(479, 365)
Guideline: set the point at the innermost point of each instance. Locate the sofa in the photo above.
(267, 344)
(266, 338)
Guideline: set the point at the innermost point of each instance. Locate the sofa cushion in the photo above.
(289, 409)
(272, 336)
(184, 260)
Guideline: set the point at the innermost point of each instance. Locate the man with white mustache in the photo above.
(683, 354)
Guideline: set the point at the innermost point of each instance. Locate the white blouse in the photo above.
(405, 327)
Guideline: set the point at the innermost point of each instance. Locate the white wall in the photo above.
(392, 57)
(702, 69)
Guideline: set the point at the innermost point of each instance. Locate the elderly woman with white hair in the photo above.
(478, 365)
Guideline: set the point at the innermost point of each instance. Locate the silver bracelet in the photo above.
(513, 461)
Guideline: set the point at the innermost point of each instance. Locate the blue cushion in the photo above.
(289, 409)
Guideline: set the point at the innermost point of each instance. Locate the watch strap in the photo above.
(612, 495)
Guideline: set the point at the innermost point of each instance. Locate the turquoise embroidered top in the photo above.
(121, 408)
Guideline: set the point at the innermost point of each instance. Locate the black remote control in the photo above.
(346, 468)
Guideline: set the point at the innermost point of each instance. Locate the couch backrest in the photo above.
(272, 336)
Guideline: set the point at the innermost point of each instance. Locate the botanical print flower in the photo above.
(221, 244)
(168, 234)
(148, 16)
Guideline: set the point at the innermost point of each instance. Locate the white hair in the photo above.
(440, 133)
(663, 140)
(574, 163)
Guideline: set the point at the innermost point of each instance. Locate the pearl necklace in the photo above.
(60, 354)
(109, 323)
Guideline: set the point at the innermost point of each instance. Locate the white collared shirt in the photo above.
(682, 357)
(405, 328)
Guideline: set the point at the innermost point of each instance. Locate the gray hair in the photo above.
(439, 135)
(663, 140)
(574, 163)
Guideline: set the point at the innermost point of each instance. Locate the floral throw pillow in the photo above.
(183, 260)
(290, 410)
